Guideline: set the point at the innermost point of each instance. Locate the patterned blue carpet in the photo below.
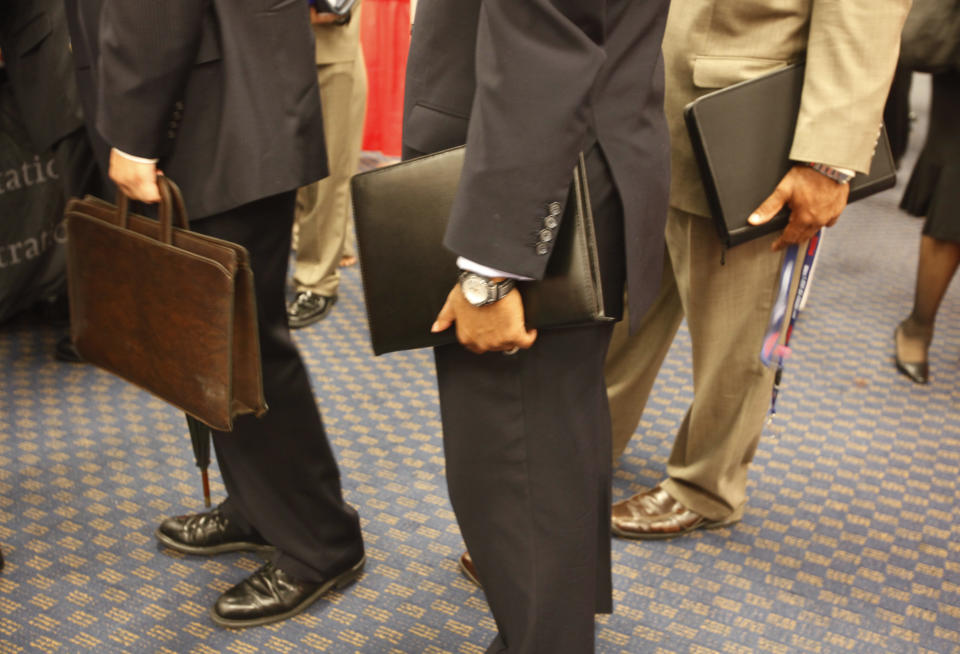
(850, 542)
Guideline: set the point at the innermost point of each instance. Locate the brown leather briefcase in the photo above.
(167, 309)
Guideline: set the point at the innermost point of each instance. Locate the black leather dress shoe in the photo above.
(207, 533)
(309, 307)
(271, 595)
(66, 351)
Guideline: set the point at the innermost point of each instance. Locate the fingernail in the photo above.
(754, 219)
(435, 327)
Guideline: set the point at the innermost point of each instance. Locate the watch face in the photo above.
(475, 290)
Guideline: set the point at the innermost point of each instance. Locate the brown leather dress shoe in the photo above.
(655, 515)
(468, 569)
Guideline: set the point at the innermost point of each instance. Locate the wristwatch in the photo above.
(480, 290)
(840, 176)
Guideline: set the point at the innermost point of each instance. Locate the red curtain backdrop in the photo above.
(385, 35)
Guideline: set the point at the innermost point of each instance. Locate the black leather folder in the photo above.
(741, 137)
(401, 214)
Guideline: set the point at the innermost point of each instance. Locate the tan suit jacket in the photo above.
(711, 44)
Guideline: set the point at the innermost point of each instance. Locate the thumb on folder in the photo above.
(814, 199)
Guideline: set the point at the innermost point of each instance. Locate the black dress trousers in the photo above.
(280, 474)
(527, 447)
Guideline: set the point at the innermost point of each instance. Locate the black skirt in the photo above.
(934, 187)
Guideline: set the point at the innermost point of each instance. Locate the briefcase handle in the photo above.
(171, 206)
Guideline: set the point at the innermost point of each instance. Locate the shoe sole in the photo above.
(342, 580)
(671, 534)
(237, 546)
(306, 322)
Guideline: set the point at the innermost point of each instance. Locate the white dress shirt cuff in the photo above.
(472, 266)
(143, 160)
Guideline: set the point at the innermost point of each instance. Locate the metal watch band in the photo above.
(839, 176)
(500, 289)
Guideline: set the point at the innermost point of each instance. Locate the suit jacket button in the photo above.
(172, 133)
(542, 248)
(550, 222)
(546, 235)
(554, 209)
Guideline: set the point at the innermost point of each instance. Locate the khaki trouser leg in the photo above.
(634, 360)
(323, 208)
(728, 309)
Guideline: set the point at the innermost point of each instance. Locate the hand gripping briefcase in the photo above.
(167, 309)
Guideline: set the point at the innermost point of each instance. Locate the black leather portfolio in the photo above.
(401, 214)
(741, 137)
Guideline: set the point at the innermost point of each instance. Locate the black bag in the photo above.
(32, 234)
(930, 42)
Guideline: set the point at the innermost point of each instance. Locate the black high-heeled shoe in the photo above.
(918, 372)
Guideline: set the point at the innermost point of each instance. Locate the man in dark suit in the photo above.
(222, 97)
(527, 436)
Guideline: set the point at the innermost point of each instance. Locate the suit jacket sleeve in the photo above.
(536, 64)
(147, 49)
(850, 64)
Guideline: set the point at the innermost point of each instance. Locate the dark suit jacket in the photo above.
(35, 44)
(550, 77)
(193, 82)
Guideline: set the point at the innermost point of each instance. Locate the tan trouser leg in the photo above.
(728, 309)
(323, 208)
(633, 361)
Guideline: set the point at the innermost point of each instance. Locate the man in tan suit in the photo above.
(323, 208)
(850, 47)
